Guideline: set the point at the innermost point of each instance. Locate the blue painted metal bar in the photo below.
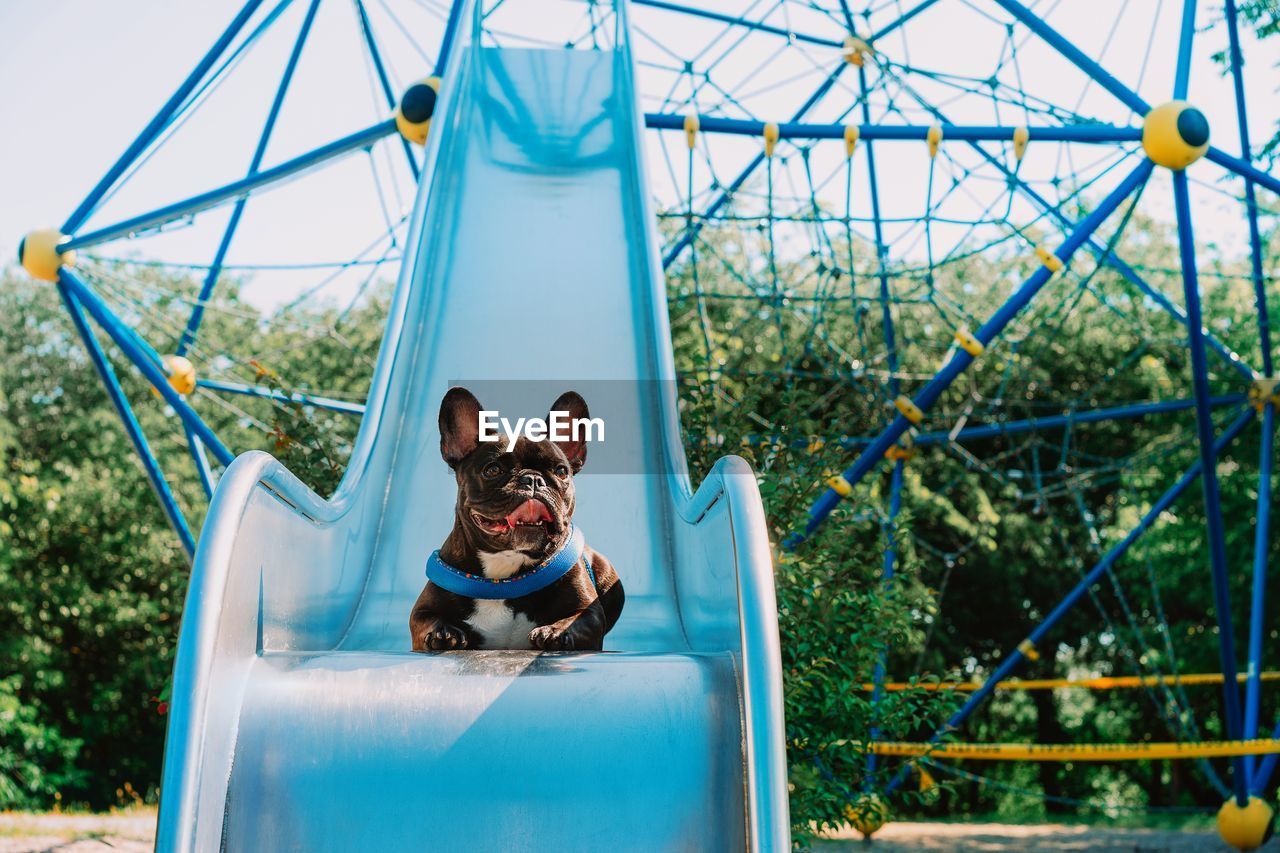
(1243, 169)
(735, 20)
(984, 431)
(160, 120)
(366, 30)
(1090, 133)
(1077, 57)
(906, 16)
(1186, 37)
(450, 31)
(891, 349)
(1014, 659)
(127, 342)
(690, 234)
(204, 201)
(1135, 410)
(1266, 768)
(343, 406)
(960, 361)
(201, 460)
(150, 465)
(1212, 501)
(1250, 194)
(255, 163)
(1257, 603)
(1101, 252)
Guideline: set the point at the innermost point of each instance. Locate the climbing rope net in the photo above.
(955, 225)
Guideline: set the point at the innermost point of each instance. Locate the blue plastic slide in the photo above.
(301, 720)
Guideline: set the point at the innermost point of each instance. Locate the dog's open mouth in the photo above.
(531, 513)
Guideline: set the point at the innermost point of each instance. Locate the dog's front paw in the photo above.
(563, 638)
(443, 637)
(552, 638)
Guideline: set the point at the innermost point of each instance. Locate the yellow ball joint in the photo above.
(417, 105)
(867, 815)
(1246, 827)
(38, 253)
(181, 373)
(1175, 135)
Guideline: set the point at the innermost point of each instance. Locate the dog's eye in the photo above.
(493, 469)
(562, 470)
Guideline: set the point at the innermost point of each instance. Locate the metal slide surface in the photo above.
(300, 719)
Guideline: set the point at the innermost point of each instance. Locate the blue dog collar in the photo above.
(531, 580)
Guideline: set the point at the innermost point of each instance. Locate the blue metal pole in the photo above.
(154, 374)
(215, 269)
(1250, 194)
(150, 465)
(902, 19)
(446, 41)
(1085, 133)
(160, 120)
(1135, 410)
(891, 348)
(1182, 79)
(366, 29)
(1267, 767)
(961, 360)
(201, 460)
(343, 406)
(890, 565)
(1257, 608)
(204, 201)
(1098, 250)
(1243, 168)
(691, 233)
(1077, 57)
(1011, 661)
(1212, 502)
(790, 35)
(1257, 604)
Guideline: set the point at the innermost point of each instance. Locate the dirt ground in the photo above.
(133, 832)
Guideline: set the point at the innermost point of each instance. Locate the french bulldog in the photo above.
(513, 515)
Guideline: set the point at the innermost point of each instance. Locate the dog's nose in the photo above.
(533, 482)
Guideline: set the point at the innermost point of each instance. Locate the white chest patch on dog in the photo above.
(500, 565)
(500, 626)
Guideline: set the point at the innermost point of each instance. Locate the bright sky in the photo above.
(79, 79)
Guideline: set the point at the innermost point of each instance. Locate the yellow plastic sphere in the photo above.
(867, 815)
(417, 105)
(1175, 135)
(38, 253)
(182, 374)
(1247, 827)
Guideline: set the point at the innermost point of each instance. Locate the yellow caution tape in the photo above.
(1077, 751)
(1119, 682)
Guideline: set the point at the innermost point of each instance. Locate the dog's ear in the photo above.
(459, 425)
(575, 449)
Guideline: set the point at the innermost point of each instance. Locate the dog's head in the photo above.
(522, 500)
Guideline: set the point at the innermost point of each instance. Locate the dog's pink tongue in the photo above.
(529, 512)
